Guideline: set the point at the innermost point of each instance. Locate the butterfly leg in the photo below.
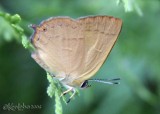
(65, 92)
(70, 89)
(74, 92)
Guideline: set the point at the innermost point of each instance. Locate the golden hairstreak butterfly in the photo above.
(73, 50)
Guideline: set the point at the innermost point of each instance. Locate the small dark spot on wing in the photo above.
(44, 29)
(37, 39)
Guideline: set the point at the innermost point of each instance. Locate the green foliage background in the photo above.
(135, 58)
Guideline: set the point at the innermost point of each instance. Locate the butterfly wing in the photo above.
(59, 44)
(100, 34)
(74, 49)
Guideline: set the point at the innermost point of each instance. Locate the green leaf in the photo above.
(131, 5)
(54, 88)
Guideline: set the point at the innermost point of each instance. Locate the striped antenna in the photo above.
(106, 81)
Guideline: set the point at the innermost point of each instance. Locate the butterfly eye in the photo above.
(85, 84)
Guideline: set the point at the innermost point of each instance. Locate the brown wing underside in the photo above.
(100, 34)
(77, 48)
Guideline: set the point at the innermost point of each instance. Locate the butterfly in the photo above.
(73, 50)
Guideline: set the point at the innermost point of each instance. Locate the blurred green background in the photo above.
(135, 58)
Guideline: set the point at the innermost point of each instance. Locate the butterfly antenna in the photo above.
(106, 81)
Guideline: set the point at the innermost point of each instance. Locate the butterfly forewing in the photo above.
(74, 49)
